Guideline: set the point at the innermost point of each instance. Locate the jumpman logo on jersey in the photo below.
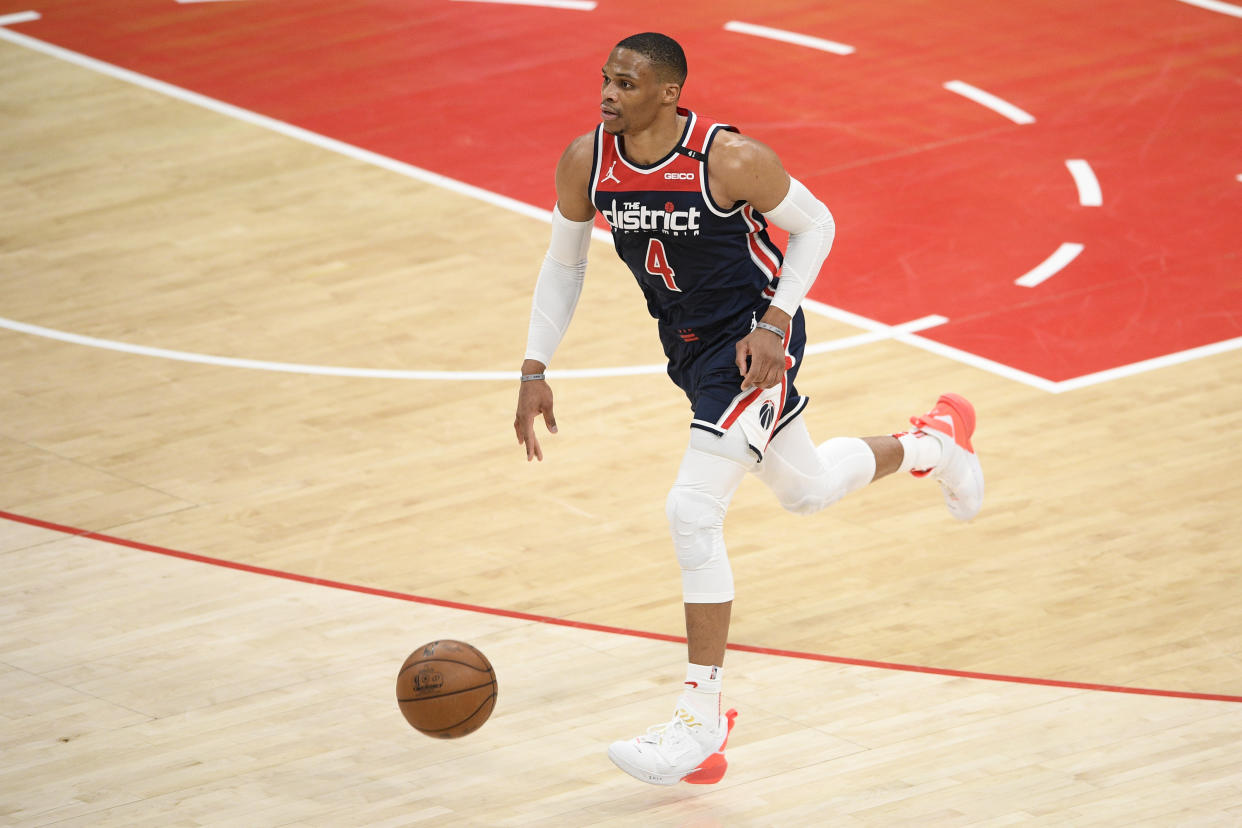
(610, 175)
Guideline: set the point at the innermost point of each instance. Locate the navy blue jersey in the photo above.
(701, 265)
(707, 270)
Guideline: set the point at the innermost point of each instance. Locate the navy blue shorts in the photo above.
(702, 364)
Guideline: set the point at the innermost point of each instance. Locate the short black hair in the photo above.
(665, 54)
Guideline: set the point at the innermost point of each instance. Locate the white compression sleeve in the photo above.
(811, 231)
(558, 287)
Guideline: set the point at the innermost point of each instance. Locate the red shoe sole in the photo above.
(713, 768)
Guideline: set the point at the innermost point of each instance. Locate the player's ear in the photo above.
(672, 93)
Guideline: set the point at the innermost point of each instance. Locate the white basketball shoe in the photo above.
(952, 422)
(686, 749)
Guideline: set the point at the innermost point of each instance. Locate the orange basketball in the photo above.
(446, 689)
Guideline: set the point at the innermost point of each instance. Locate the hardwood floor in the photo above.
(141, 690)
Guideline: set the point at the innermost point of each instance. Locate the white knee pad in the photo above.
(696, 522)
(696, 509)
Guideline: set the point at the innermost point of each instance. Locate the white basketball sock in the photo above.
(702, 691)
(922, 451)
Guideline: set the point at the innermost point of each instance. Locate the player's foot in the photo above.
(685, 749)
(952, 422)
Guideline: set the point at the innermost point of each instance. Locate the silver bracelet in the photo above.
(771, 328)
(533, 377)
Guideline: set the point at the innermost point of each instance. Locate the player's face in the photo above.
(631, 94)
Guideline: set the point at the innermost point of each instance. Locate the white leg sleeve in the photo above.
(806, 478)
(709, 475)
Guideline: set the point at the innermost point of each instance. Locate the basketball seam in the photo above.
(445, 661)
(491, 684)
(473, 713)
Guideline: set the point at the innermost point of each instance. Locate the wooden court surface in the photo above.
(142, 690)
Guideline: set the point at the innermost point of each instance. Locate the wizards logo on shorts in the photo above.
(767, 414)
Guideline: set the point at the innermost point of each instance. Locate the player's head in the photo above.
(642, 80)
(664, 54)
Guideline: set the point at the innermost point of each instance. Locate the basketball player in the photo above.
(689, 200)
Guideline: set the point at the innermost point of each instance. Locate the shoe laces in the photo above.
(670, 732)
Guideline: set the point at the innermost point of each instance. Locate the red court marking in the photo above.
(582, 625)
(940, 204)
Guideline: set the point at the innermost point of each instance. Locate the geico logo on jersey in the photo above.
(686, 176)
(634, 216)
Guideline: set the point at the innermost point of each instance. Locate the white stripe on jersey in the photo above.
(598, 160)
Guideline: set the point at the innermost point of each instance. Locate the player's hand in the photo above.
(766, 353)
(534, 398)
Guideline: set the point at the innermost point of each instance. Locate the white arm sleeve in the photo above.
(811, 231)
(558, 287)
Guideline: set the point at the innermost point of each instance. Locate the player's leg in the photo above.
(806, 478)
(690, 746)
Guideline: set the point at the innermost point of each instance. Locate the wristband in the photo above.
(771, 328)
(531, 377)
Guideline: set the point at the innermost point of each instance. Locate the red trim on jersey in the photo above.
(616, 174)
(741, 406)
(699, 133)
(780, 408)
(758, 252)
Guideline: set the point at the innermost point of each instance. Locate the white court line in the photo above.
(906, 334)
(1152, 364)
(1089, 194)
(789, 37)
(231, 362)
(514, 205)
(1216, 6)
(19, 17)
(876, 332)
(1050, 266)
(288, 130)
(573, 5)
(1084, 381)
(997, 105)
(879, 332)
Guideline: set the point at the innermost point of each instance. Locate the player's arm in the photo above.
(743, 169)
(556, 290)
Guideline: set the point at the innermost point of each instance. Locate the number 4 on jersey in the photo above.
(657, 264)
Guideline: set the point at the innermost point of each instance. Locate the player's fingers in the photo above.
(549, 420)
(773, 380)
(742, 351)
(765, 374)
(772, 374)
(752, 377)
(526, 436)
